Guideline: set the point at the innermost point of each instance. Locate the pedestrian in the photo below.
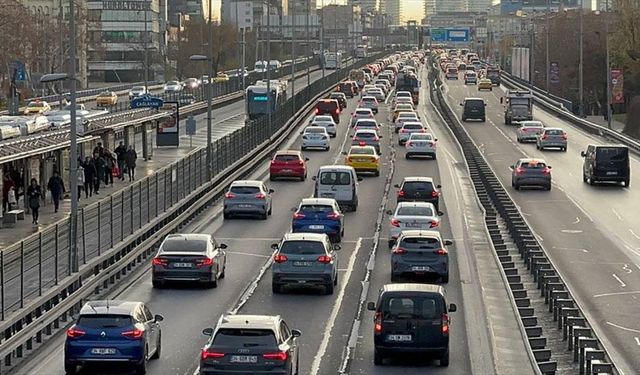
(89, 174)
(99, 163)
(80, 177)
(110, 165)
(99, 149)
(130, 161)
(121, 151)
(34, 192)
(7, 185)
(56, 187)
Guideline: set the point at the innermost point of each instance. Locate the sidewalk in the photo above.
(615, 125)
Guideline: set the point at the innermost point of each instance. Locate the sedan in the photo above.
(552, 137)
(369, 102)
(367, 124)
(361, 113)
(191, 83)
(37, 107)
(421, 144)
(172, 87)
(327, 123)
(106, 99)
(402, 107)
(340, 97)
(376, 93)
(405, 117)
(531, 172)
(248, 197)
(288, 164)
(363, 159)
(137, 91)
(409, 128)
(221, 77)
(412, 216)
(405, 100)
(366, 137)
(315, 137)
(319, 215)
(485, 84)
(528, 131)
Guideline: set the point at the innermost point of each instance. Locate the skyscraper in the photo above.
(392, 9)
(451, 5)
(365, 5)
(478, 5)
(429, 8)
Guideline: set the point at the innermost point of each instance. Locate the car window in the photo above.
(286, 158)
(147, 313)
(244, 338)
(327, 105)
(368, 99)
(474, 104)
(533, 165)
(302, 247)
(363, 113)
(184, 245)
(410, 307)
(554, 132)
(420, 243)
(415, 211)
(365, 135)
(245, 189)
(335, 178)
(372, 124)
(421, 137)
(612, 153)
(412, 126)
(285, 331)
(316, 208)
(315, 130)
(362, 151)
(414, 186)
(103, 321)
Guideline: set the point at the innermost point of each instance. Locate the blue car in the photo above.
(319, 215)
(113, 332)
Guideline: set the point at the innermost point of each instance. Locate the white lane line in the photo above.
(623, 328)
(326, 335)
(622, 284)
(627, 269)
(634, 234)
(247, 254)
(616, 294)
(577, 220)
(617, 214)
(637, 340)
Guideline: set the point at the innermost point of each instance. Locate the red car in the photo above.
(288, 164)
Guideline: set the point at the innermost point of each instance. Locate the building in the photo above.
(300, 6)
(342, 26)
(239, 13)
(451, 6)
(393, 10)
(429, 8)
(365, 5)
(195, 9)
(478, 5)
(514, 6)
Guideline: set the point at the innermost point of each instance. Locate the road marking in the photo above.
(616, 294)
(571, 231)
(617, 214)
(637, 340)
(574, 249)
(580, 208)
(627, 269)
(634, 234)
(623, 328)
(315, 366)
(248, 254)
(622, 284)
(577, 220)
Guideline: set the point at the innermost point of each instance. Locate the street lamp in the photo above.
(209, 110)
(607, 62)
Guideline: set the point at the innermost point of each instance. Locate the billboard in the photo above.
(617, 86)
(554, 72)
(520, 62)
(450, 34)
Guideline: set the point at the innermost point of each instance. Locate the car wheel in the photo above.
(391, 243)
(464, 119)
(158, 351)
(517, 186)
(484, 119)
(394, 278)
(304, 177)
(399, 143)
(276, 288)
(226, 216)
(584, 177)
(270, 210)
(376, 173)
(444, 360)
(335, 281)
(70, 368)
(337, 238)
(626, 182)
(377, 358)
(157, 284)
(445, 278)
(548, 187)
(328, 148)
(564, 149)
(520, 140)
(591, 181)
(272, 178)
(141, 368)
(264, 216)
(303, 148)
(328, 288)
(214, 281)
(224, 270)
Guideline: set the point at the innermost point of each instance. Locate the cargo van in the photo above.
(339, 182)
(606, 164)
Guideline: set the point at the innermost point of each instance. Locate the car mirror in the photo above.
(511, 166)
(583, 154)
(207, 331)
(301, 133)
(360, 178)
(294, 209)
(313, 178)
(448, 242)
(271, 191)
(440, 213)
(344, 153)
(501, 100)
(274, 246)
(438, 186)
(453, 307)
(158, 318)
(337, 247)
(222, 246)
(306, 159)
(371, 306)
(485, 104)
(296, 333)
(548, 166)
(380, 136)
(351, 135)
(461, 104)
(396, 186)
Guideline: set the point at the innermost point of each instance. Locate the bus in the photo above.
(259, 104)
(333, 60)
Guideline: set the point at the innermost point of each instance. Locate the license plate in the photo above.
(182, 265)
(327, 195)
(301, 264)
(611, 173)
(402, 338)
(316, 226)
(103, 351)
(287, 171)
(244, 206)
(420, 268)
(244, 359)
(413, 225)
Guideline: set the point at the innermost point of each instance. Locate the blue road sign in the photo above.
(147, 101)
(457, 35)
(19, 71)
(438, 35)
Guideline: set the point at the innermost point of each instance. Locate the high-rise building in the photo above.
(393, 9)
(478, 5)
(195, 9)
(365, 5)
(239, 13)
(429, 8)
(451, 6)
(301, 6)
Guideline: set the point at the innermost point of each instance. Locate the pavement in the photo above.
(615, 125)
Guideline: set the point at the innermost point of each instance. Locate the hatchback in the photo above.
(326, 122)
(529, 131)
(248, 197)
(366, 137)
(315, 137)
(329, 107)
(361, 113)
(340, 97)
(409, 116)
(419, 189)
(421, 144)
(552, 137)
(376, 93)
(250, 344)
(319, 215)
(369, 102)
(420, 253)
(112, 331)
(531, 172)
(470, 78)
(189, 257)
(411, 216)
(288, 164)
(408, 128)
(305, 259)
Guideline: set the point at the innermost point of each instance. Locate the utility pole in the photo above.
(581, 65)
(308, 46)
(608, 63)
(73, 147)
(269, 63)
(212, 74)
(548, 67)
(60, 25)
(293, 55)
(322, 40)
(146, 49)
(243, 62)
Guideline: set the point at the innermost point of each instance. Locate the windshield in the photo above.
(316, 208)
(365, 135)
(412, 126)
(315, 130)
(362, 151)
(421, 137)
(612, 153)
(185, 245)
(407, 307)
(366, 124)
(106, 93)
(363, 113)
(245, 189)
(408, 115)
(36, 104)
(104, 321)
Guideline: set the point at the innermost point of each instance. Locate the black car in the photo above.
(419, 189)
(474, 109)
(250, 344)
(340, 97)
(411, 318)
(348, 89)
(606, 164)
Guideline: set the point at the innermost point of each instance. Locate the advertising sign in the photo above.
(147, 101)
(617, 85)
(554, 72)
(168, 128)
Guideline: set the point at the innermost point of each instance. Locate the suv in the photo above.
(473, 108)
(319, 215)
(420, 253)
(420, 189)
(369, 102)
(347, 88)
(411, 318)
(329, 107)
(249, 344)
(340, 97)
(113, 331)
(606, 163)
(247, 197)
(305, 259)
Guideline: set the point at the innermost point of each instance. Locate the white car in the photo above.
(405, 117)
(421, 144)
(315, 137)
(137, 91)
(327, 123)
(382, 87)
(529, 131)
(409, 128)
(367, 87)
(376, 93)
(367, 124)
(404, 100)
(412, 216)
(369, 102)
(172, 86)
(361, 113)
(384, 82)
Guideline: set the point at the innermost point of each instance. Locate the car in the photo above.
(376, 93)
(340, 97)
(137, 91)
(552, 137)
(409, 116)
(404, 100)
(528, 131)
(473, 108)
(355, 86)
(367, 123)
(383, 87)
(384, 81)
(470, 77)
(106, 99)
(189, 257)
(370, 102)
(247, 344)
(329, 107)
(288, 164)
(319, 215)
(339, 182)
(606, 163)
(367, 87)
(411, 318)
(412, 216)
(191, 83)
(37, 107)
(485, 84)
(347, 88)
(366, 137)
(361, 113)
(408, 128)
(326, 122)
(363, 159)
(451, 73)
(418, 189)
(401, 107)
(304, 259)
(248, 197)
(421, 144)
(260, 66)
(113, 331)
(420, 253)
(531, 172)
(221, 77)
(275, 65)
(172, 87)
(315, 137)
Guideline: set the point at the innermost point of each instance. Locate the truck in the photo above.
(260, 101)
(361, 51)
(493, 73)
(333, 60)
(518, 106)
(409, 82)
(358, 76)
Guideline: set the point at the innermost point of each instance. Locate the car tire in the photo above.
(435, 157)
(157, 284)
(328, 288)
(626, 183)
(276, 288)
(520, 141)
(464, 119)
(376, 173)
(272, 178)
(444, 360)
(224, 271)
(584, 177)
(302, 148)
(335, 281)
(394, 278)
(445, 278)
(337, 238)
(548, 187)
(564, 149)
(226, 215)
(378, 358)
(516, 186)
(390, 243)
(591, 181)
(399, 143)
(213, 283)
(407, 156)
(70, 368)
(484, 119)
(158, 351)
(141, 368)
(264, 216)
(270, 211)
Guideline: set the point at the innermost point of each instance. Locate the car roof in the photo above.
(321, 201)
(418, 179)
(189, 236)
(289, 152)
(534, 160)
(371, 148)
(304, 237)
(246, 183)
(421, 233)
(466, 99)
(415, 204)
(110, 307)
(412, 287)
(233, 321)
(337, 168)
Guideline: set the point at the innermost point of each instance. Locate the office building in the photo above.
(195, 9)
(239, 13)
(365, 5)
(451, 6)
(429, 8)
(300, 6)
(393, 10)
(478, 5)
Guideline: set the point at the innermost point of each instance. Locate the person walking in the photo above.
(56, 187)
(130, 161)
(80, 176)
(100, 165)
(89, 174)
(121, 151)
(109, 165)
(7, 185)
(34, 192)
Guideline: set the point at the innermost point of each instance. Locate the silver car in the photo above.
(248, 197)
(409, 128)
(552, 137)
(361, 113)
(315, 137)
(172, 86)
(531, 172)
(327, 123)
(376, 93)
(421, 144)
(366, 137)
(367, 124)
(137, 91)
(368, 101)
(528, 131)
(412, 216)
(420, 253)
(405, 117)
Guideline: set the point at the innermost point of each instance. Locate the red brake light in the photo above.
(399, 250)
(564, 136)
(298, 215)
(378, 322)
(279, 356)
(205, 262)
(401, 193)
(404, 131)
(134, 334)
(333, 215)
(326, 259)
(435, 224)
(544, 136)
(229, 195)
(260, 196)
(207, 354)
(280, 258)
(349, 159)
(160, 261)
(546, 170)
(435, 193)
(409, 143)
(519, 170)
(317, 110)
(445, 324)
(441, 252)
(395, 222)
(74, 333)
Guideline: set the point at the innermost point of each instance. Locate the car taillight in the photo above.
(409, 144)
(401, 193)
(298, 215)
(370, 116)
(300, 162)
(395, 222)
(134, 334)
(160, 261)
(435, 224)
(317, 110)
(229, 195)
(336, 111)
(399, 250)
(519, 170)
(74, 333)
(564, 136)
(326, 259)
(260, 196)
(434, 193)
(445, 324)
(404, 131)
(208, 355)
(278, 356)
(377, 322)
(333, 215)
(544, 136)
(376, 139)
(546, 170)
(205, 262)
(280, 258)
(441, 252)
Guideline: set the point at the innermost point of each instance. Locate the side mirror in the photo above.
(380, 136)
(389, 212)
(337, 247)
(360, 179)
(158, 318)
(439, 186)
(351, 135)
(301, 133)
(501, 100)
(461, 104)
(485, 104)
(271, 191)
(453, 307)
(448, 242)
(344, 153)
(548, 166)
(296, 333)
(313, 178)
(440, 213)
(396, 186)
(371, 306)
(306, 159)
(512, 166)
(222, 246)
(583, 154)
(207, 331)
(294, 209)
(274, 246)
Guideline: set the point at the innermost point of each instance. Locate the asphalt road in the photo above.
(591, 233)
(325, 321)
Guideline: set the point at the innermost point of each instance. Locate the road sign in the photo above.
(147, 101)
(457, 35)
(18, 71)
(438, 35)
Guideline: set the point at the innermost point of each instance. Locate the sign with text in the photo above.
(147, 101)
(125, 5)
(617, 85)
(168, 128)
(450, 35)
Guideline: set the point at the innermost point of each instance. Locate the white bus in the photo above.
(333, 60)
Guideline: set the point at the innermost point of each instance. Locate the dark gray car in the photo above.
(420, 253)
(247, 197)
(531, 172)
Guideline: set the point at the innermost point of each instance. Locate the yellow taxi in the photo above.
(485, 84)
(400, 107)
(106, 99)
(363, 159)
(221, 77)
(37, 107)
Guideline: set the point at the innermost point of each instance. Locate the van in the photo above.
(339, 182)
(473, 108)
(411, 318)
(329, 107)
(606, 164)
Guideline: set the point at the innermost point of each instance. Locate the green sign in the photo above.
(438, 35)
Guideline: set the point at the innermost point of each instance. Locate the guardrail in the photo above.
(134, 222)
(512, 239)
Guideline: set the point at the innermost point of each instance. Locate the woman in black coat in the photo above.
(34, 192)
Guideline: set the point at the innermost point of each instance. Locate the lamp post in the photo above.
(307, 48)
(269, 63)
(581, 65)
(209, 110)
(146, 48)
(608, 63)
(293, 56)
(547, 47)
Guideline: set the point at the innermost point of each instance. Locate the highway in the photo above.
(325, 320)
(591, 233)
